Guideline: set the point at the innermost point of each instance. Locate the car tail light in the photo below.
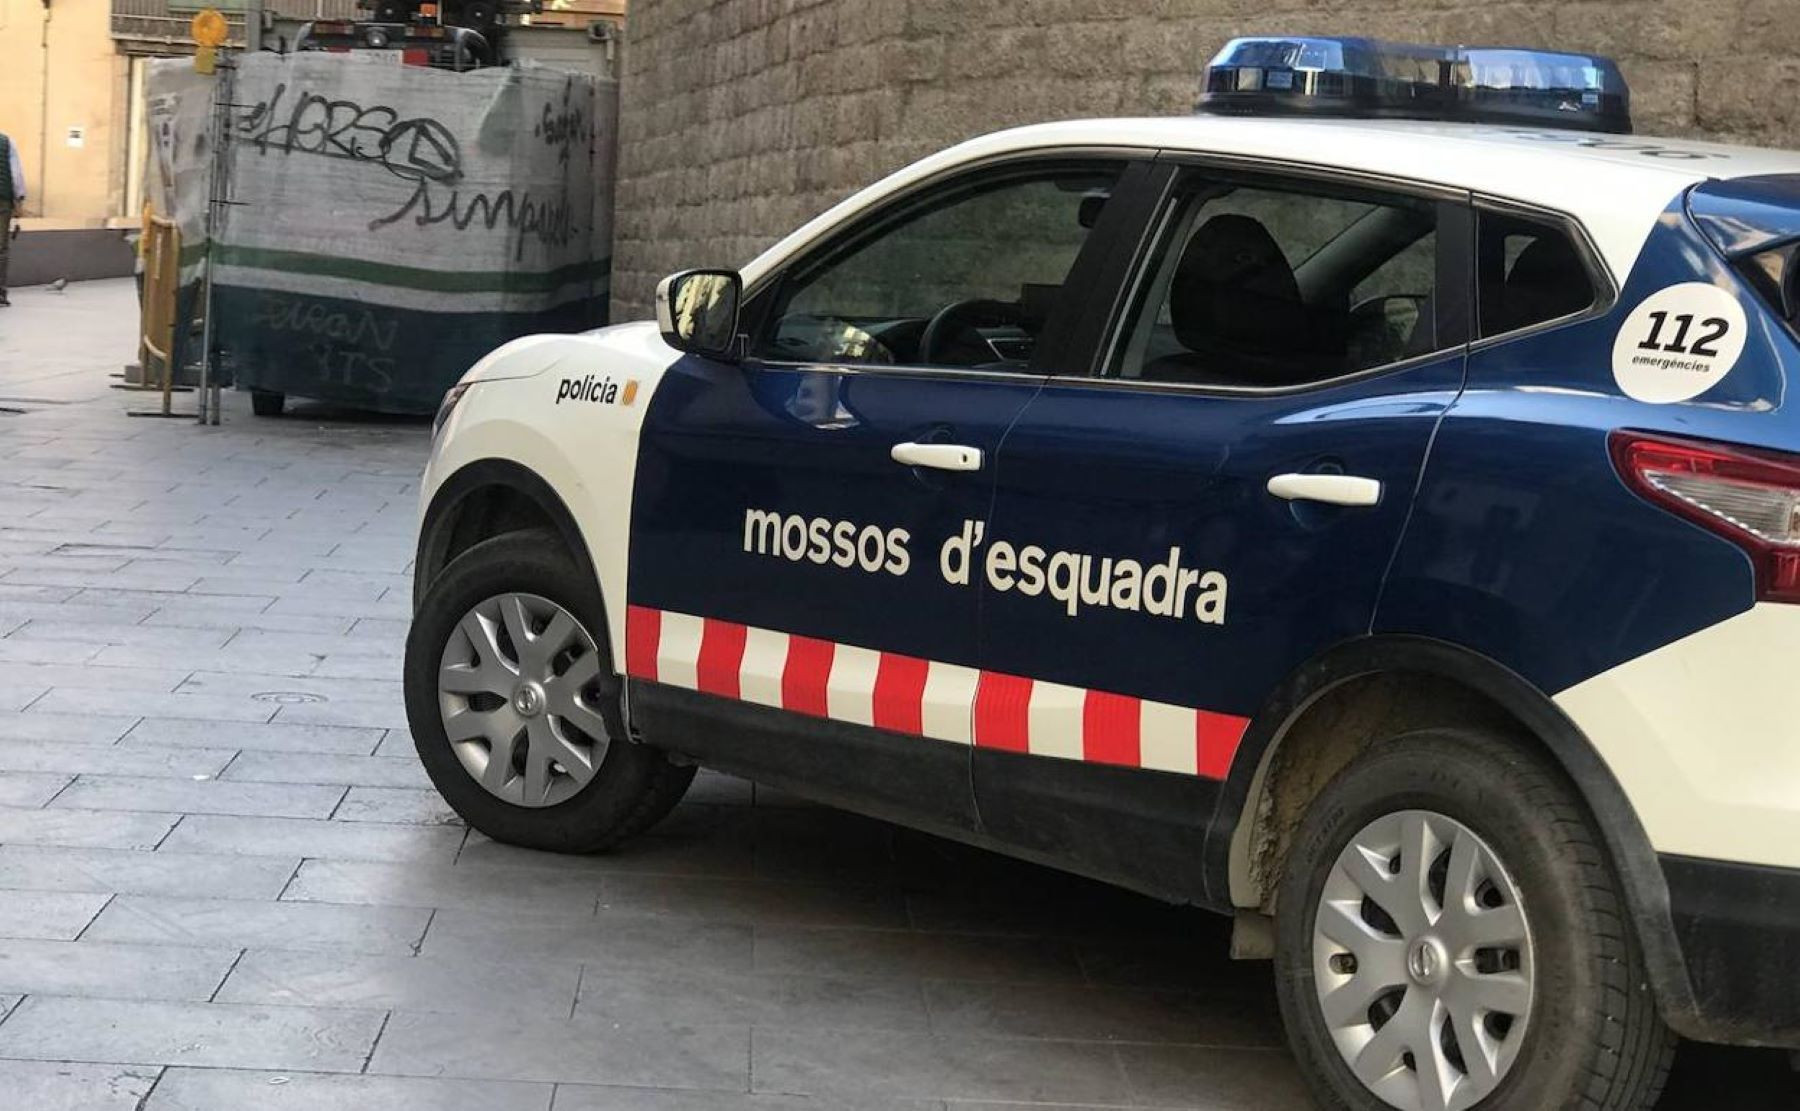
(1747, 495)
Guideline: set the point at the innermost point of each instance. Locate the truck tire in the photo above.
(515, 707)
(1450, 934)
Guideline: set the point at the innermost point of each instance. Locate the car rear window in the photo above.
(1755, 223)
(1527, 272)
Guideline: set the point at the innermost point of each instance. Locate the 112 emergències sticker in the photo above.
(1678, 343)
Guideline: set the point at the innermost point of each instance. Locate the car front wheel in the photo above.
(514, 704)
(1450, 935)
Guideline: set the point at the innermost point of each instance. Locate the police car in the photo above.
(1369, 507)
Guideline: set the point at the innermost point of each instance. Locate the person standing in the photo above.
(12, 196)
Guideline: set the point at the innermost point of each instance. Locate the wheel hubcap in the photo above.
(1422, 959)
(519, 694)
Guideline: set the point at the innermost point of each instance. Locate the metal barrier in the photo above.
(161, 247)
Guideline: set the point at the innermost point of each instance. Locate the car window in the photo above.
(1527, 271)
(967, 277)
(1263, 286)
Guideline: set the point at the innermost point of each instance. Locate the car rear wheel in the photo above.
(1450, 935)
(515, 707)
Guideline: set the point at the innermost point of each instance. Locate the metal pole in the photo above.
(253, 25)
(207, 409)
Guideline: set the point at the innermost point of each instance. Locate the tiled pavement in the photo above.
(225, 883)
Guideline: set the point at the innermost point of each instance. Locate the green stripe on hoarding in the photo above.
(403, 277)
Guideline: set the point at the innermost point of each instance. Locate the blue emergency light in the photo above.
(1352, 76)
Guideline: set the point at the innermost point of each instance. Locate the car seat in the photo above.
(1235, 304)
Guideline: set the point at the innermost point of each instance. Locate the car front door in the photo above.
(792, 614)
(1206, 503)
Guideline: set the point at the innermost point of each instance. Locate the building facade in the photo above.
(742, 118)
(72, 97)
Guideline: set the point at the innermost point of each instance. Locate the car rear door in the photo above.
(790, 617)
(1207, 497)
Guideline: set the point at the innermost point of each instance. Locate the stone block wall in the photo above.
(740, 119)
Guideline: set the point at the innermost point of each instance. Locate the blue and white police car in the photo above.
(1369, 507)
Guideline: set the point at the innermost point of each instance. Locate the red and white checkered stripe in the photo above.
(906, 694)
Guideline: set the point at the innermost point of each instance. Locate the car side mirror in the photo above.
(697, 311)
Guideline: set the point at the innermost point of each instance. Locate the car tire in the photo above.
(1591, 1038)
(628, 786)
(267, 403)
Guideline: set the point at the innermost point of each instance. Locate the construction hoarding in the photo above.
(384, 226)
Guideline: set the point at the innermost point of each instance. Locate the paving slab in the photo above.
(185, 1089)
(49, 868)
(706, 854)
(169, 597)
(244, 676)
(254, 737)
(1226, 1079)
(48, 915)
(908, 954)
(19, 695)
(286, 837)
(244, 922)
(100, 626)
(1076, 1012)
(31, 788)
(387, 666)
(314, 643)
(60, 1086)
(198, 796)
(271, 622)
(193, 707)
(887, 1063)
(501, 988)
(71, 728)
(635, 941)
(682, 996)
(49, 1028)
(111, 971)
(105, 829)
(445, 885)
(580, 1051)
(42, 651)
(334, 768)
(586, 1097)
(277, 661)
(412, 805)
(758, 902)
(95, 676)
(137, 760)
(359, 713)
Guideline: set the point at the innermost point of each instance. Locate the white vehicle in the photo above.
(1386, 531)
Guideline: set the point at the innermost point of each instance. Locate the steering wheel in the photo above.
(960, 316)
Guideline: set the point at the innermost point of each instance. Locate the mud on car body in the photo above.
(1386, 531)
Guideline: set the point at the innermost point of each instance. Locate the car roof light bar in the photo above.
(1361, 77)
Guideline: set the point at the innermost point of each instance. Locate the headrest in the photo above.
(1233, 289)
(1546, 281)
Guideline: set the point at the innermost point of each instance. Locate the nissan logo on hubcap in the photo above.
(1426, 961)
(528, 700)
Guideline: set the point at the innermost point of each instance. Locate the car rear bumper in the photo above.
(1738, 927)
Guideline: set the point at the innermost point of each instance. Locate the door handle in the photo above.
(1333, 489)
(939, 457)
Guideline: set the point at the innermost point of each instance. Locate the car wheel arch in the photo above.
(1349, 698)
(486, 498)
